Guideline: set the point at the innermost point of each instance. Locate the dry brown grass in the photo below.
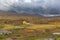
(17, 20)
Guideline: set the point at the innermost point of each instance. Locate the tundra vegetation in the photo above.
(38, 28)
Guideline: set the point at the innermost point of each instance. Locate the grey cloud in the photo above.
(40, 7)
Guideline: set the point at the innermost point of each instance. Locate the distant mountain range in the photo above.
(4, 16)
(4, 13)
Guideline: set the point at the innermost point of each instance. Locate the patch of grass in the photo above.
(58, 39)
(8, 26)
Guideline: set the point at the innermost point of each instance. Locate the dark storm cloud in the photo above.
(40, 7)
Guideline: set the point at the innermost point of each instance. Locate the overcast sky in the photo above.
(21, 6)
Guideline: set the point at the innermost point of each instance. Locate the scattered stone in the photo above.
(9, 39)
(3, 32)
